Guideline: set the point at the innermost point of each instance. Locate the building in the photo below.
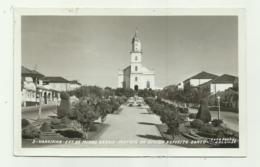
(30, 79)
(136, 76)
(34, 91)
(37, 88)
(180, 86)
(222, 83)
(57, 83)
(198, 79)
(74, 84)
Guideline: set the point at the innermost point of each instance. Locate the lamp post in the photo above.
(218, 97)
(40, 101)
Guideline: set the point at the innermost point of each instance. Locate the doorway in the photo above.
(136, 87)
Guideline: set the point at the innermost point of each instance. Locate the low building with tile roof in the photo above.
(221, 83)
(57, 83)
(198, 79)
(34, 91)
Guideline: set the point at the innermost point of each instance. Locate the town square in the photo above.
(129, 82)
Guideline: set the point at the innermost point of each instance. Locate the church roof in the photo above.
(136, 37)
(128, 67)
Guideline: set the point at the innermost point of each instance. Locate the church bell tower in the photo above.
(136, 43)
(136, 54)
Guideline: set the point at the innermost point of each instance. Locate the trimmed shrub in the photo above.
(93, 128)
(25, 123)
(157, 108)
(65, 120)
(30, 132)
(192, 115)
(216, 122)
(64, 96)
(208, 129)
(64, 107)
(197, 123)
(45, 127)
(183, 110)
(70, 133)
(203, 113)
(58, 126)
(170, 118)
(114, 104)
(103, 108)
(55, 121)
(86, 113)
(220, 134)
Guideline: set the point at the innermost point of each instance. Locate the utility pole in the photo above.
(218, 107)
(40, 91)
(35, 82)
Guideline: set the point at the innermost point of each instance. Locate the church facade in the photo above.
(136, 76)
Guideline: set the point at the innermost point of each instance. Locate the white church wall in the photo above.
(136, 67)
(136, 57)
(142, 81)
(149, 78)
(136, 74)
(120, 79)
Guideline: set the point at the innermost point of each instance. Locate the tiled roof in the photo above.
(225, 78)
(26, 71)
(203, 75)
(75, 82)
(56, 79)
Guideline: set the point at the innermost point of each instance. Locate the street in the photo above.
(32, 113)
(229, 118)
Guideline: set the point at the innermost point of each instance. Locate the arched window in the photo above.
(136, 58)
(136, 68)
(136, 79)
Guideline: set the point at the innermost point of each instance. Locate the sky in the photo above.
(91, 49)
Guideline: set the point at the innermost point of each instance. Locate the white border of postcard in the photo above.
(202, 152)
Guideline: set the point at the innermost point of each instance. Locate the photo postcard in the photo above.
(129, 82)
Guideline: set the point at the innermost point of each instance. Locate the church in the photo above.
(136, 76)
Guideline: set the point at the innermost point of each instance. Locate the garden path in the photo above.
(134, 124)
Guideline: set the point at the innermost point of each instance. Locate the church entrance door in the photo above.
(136, 87)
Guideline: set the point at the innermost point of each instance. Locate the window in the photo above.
(136, 79)
(136, 68)
(148, 84)
(136, 58)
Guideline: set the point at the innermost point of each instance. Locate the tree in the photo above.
(124, 92)
(203, 113)
(103, 108)
(171, 118)
(86, 115)
(114, 104)
(88, 91)
(64, 108)
(108, 92)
